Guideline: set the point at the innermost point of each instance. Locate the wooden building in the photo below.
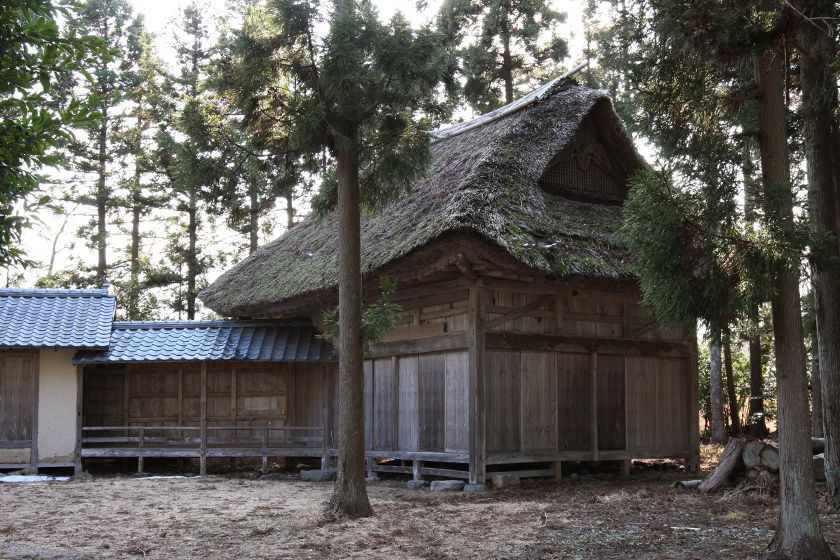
(206, 389)
(40, 332)
(522, 342)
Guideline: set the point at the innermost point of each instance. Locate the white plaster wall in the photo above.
(56, 406)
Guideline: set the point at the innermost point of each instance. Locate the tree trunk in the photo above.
(798, 535)
(136, 210)
(816, 391)
(716, 389)
(102, 200)
(192, 254)
(756, 423)
(507, 63)
(732, 395)
(350, 496)
(819, 101)
(290, 211)
(254, 219)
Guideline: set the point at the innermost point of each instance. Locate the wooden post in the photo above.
(594, 420)
(693, 407)
(77, 459)
(369, 466)
(140, 458)
(395, 403)
(477, 416)
(264, 466)
(203, 433)
(415, 470)
(558, 470)
(36, 397)
(329, 426)
(625, 468)
(325, 418)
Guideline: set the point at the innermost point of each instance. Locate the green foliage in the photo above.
(35, 55)
(371, 83)
(502, 44)
(377, 318)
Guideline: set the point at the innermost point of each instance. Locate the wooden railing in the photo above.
(148, 441)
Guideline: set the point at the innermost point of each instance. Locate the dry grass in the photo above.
(585, 517)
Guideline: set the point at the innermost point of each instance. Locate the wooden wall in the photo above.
(562, 371)
(241, 394)
(417, 402)
(542, 402)
(17, 396)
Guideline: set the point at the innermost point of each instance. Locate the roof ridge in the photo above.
(207, 323)
(56, 292)
(535, 95)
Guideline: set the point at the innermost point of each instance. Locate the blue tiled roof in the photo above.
(55, 318)
(161, 341)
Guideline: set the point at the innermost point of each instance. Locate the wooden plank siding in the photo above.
(18, 397)
(237, 394)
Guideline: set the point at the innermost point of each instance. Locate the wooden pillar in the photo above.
(625, 468)
(395, 403)
(142, 444)
(203, 433)
(693, 406)
(77, 458)
(477, 412)
(558, 470)
(593, 363)
(415, 470)
(36, 397)
(329, 415)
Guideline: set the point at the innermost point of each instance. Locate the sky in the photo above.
(160, 16)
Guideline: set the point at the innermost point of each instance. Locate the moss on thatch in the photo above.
(483, 180)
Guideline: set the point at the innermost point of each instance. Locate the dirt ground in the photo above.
(594, 516)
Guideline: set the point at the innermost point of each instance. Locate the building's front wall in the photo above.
(39, 393)
(572, 375)
(57, 386)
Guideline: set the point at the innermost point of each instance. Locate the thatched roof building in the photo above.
(507, 178)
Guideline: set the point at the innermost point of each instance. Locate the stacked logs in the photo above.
(755, 463)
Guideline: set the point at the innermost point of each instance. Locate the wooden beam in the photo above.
(555, 342)
(36, 398)
(518, 312)
(477, 385)
(203, 419)
(465, 267)
(454, 341)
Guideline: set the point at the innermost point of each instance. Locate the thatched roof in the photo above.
(483, 179)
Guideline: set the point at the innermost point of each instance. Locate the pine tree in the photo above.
(258, 166)
(818, 81)
(109, 20)
(183, 147)
(367, 91)
(726, 38)
(501, 44)
(144, 94)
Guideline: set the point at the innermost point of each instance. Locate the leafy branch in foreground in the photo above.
(377, 318)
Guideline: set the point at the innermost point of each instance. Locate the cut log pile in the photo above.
(754, 463)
